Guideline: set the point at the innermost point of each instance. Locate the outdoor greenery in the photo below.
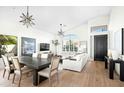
(70, 46)
(6, 40)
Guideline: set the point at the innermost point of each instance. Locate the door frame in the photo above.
(92, 43)
(97, 37)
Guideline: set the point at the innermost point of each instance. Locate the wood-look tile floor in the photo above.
(93, 75)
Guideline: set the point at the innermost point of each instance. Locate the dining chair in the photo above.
(50, 55)
(44, 56)
(50, 71)
(18, 70)
(9, 55)
(7, 66)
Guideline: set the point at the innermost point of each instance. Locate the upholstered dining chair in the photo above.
(7, 66)
(9, 55)
(18, 70)
(50, 71)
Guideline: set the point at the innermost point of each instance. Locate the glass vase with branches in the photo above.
(56, 43)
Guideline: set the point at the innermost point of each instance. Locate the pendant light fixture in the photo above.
(27, 19)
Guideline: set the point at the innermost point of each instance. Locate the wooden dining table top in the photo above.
(33, 62)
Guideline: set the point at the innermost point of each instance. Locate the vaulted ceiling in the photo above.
(49, 18)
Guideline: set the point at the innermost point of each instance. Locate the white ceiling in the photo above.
(48, 18)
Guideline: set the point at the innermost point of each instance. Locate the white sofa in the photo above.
(76, 63)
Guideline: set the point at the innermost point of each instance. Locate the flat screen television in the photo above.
(44, 47)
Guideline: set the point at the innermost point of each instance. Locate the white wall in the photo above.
(115, 24)
(101, 20)
(81, 32)
(10, 25)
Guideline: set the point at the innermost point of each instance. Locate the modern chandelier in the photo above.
(27, 19)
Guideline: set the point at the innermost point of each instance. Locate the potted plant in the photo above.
(56, 43)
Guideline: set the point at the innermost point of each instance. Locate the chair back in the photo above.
(44, 56)
(5, 60)
(16, 64)
(9, 55)
(50, 55)
(55, 62)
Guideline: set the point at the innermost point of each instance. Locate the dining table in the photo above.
(36, 64)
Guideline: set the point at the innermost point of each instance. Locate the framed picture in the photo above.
(28, 46)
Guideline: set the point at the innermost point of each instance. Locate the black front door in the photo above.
(100, 47)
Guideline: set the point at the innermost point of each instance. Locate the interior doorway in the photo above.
(100, 47)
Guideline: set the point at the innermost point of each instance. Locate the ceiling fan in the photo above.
(61, 32)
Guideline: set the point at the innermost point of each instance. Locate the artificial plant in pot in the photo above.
(56, 43)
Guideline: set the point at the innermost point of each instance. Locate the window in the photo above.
(70, 43)
(101, 28)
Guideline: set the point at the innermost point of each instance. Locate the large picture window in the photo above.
(71, 43)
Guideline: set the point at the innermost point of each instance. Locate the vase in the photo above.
(115, 54)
